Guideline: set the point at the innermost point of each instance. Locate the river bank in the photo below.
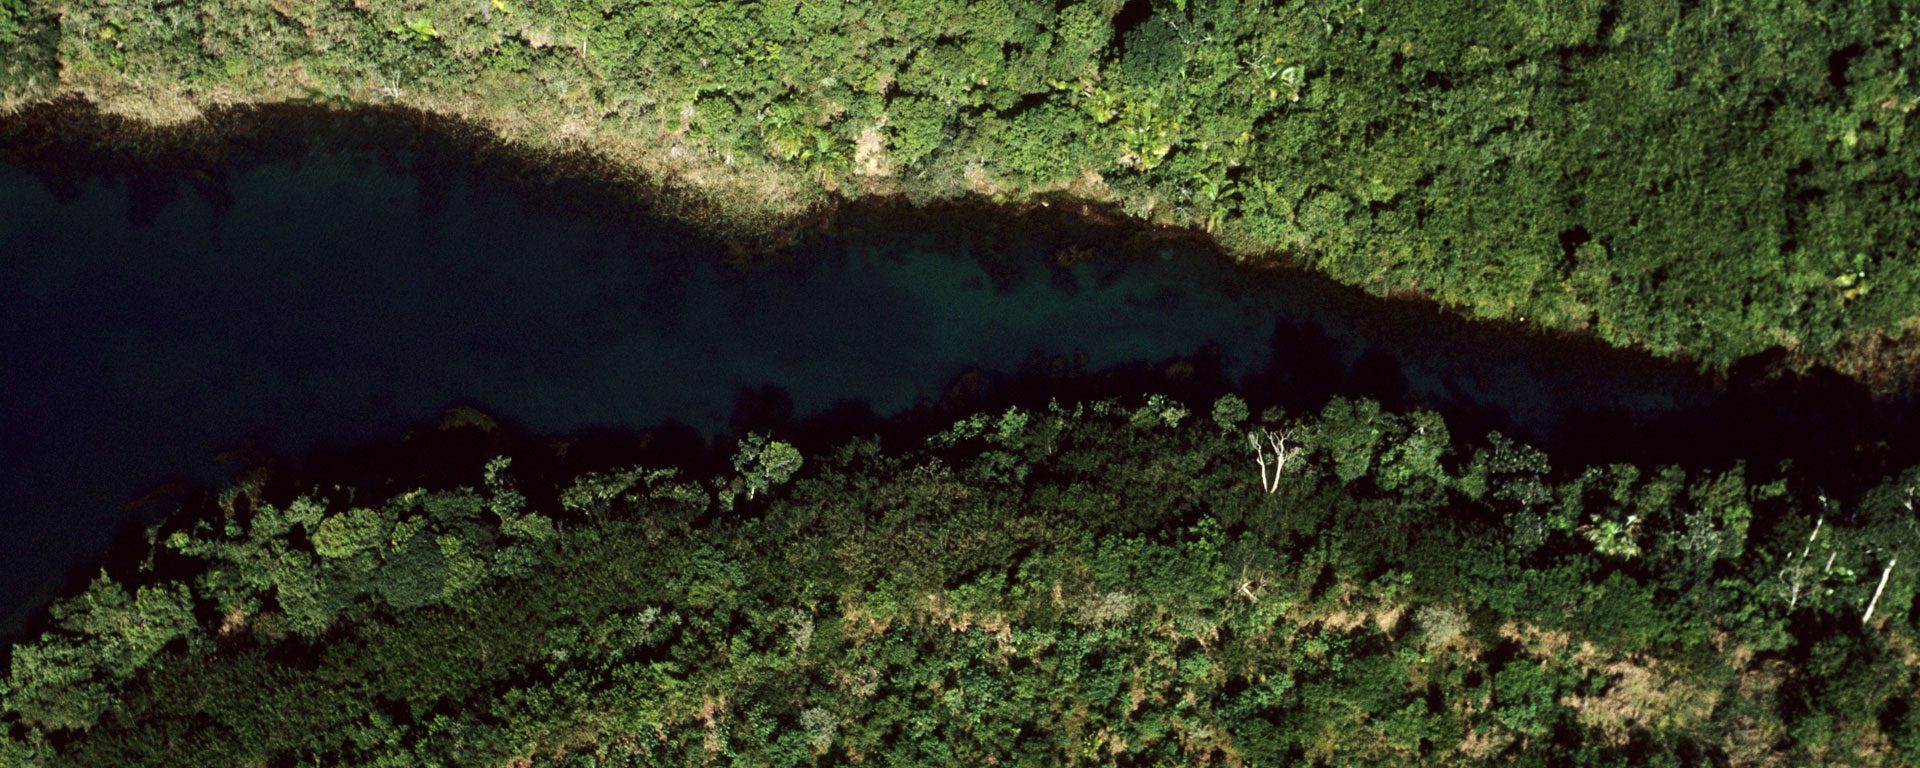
(68, 139)
(1537, 608)
(330, 277)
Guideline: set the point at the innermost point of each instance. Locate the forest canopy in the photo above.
(1704, 179)
(1130, 583)
(1148, 582)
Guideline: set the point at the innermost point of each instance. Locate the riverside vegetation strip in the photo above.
(1702, 180)
(1099, 583)
(1105, 583)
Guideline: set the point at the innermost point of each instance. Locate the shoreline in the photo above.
(444, 450)
(67, 138)
(78, 143)
(67, 142)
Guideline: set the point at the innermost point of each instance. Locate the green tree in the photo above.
(764, 464)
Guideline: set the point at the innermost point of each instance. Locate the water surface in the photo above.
(330, 298)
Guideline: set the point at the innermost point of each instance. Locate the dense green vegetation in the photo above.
(1100, 583)
(1700, 178)
(1096, 584)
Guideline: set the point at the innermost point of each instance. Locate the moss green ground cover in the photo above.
(1706, 179)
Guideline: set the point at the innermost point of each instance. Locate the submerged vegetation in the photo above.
(1102, 583)
(1700, 179)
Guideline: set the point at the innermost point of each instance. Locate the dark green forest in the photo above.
(1700, 179)
(1150, 582)
(1106, 583)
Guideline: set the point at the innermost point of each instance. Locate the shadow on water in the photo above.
(311, 283)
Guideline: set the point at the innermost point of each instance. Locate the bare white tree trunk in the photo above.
(1797, 572)
(1246, 586)
(1270, 481)
(1864, 618)
(1260, 457)
(1281, 453)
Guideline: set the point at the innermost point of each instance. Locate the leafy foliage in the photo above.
(1693, 178)
(1140, 596)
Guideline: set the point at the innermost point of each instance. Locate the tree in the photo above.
(765, 464)
(1229, 411)
(349, 533)
(1270, 481)
(1129, 604)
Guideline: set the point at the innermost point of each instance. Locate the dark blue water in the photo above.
(333, 299)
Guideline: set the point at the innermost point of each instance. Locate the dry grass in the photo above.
(870, 154)
(1885, 362)
(1642, 695)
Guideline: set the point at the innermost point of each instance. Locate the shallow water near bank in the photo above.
(335, 296)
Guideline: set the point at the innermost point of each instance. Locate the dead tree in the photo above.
(1250, 586)
(1277, 441)
(1816, 533)
(1868, 616)
(1795, 574)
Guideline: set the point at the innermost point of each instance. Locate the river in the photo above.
(340, 294)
